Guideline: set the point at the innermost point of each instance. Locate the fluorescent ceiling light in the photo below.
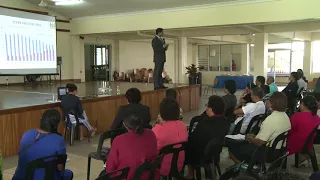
(67, 2)
(253, 34)
(252, 45)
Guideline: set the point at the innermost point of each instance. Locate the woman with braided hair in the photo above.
(302, 124)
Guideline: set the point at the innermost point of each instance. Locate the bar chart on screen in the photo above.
(20, 47)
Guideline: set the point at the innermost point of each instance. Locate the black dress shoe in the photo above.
(157, 88)
(164, 87)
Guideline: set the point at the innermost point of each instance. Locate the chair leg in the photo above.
(198, 173)
(71, 131)
(65, 132)
(219, 169)
(88, 168)
(313, 159)
(89, 135)
(296, 160)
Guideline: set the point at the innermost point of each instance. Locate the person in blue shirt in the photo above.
(42, 142)
(272, 85)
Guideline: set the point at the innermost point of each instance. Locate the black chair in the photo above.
(229, 114)
(310, 152)
(175, 150)
(150, 166)
(211, 160)
(280, 162)
(48, 163)
(74, 131)
(102, 152)
(257, 163)
(115, 175)
(273, 153)
(254, 125)
(237, 128)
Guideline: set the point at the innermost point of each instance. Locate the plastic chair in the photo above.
(280, 162)
(116, 175)
(211, 160)
(174, 149)
(48, 163)
(254, 125)
(310, 152)
(102, 152)
(150, 166)
(213, 87)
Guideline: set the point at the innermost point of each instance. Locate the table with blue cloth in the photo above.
(241, 81)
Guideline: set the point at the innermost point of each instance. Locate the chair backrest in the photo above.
(237, 128)
(281, 138)
(175, 150)
(111, 134)
(258, 157)
(310, 139)
(116, 175)
(150, 166)
(255, 122)
(213, 149)
(49, 164)
(229, 114)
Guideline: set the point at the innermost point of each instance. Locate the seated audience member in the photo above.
(317, 96)
(213, 126)
(250, 110)
(173, 94)
(70, 103)
(261, 82)
(302, 81)
(170, 130)
(230, 99)
(246, 96)
(133, 148)
(272, 85)
(40, 143)
(302, 124)
(274, 125)
(133, 96)
(291, 90)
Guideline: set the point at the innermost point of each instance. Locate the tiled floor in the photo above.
(79, 152)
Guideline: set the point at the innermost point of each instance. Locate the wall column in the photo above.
(78, 58)
(260, 61)
(307, 62)
(115, 65)
(183, 59)
(245, 58)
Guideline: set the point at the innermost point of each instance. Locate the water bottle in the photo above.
(109, 90)
(118, 90)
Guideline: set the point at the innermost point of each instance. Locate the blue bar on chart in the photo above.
(24, 48)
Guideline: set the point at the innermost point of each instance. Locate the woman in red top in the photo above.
(302, 124)
(133, 148)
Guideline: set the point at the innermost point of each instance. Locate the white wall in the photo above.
(139, 54)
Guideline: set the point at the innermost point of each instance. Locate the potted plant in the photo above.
(192, 72)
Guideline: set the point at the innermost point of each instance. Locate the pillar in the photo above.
(245, 55)
(183, 59)
(115, 64)
(78, 58)
(260, 61)
(307, 62)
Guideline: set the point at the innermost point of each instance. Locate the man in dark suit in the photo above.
(133, 96)
(159, 58)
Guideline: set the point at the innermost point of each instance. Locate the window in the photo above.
(315, 57)
(220, 57)
(101, 55)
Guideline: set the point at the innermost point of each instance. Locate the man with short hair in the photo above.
(251, 109)
(133, 96)
(272, 85)
(159, 58)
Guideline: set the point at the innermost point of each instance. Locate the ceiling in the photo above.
(107, 7)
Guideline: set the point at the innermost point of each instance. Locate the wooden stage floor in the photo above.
(16, 96)
(21, 107)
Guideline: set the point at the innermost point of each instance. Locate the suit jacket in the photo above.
(159, 52)
(139, 109)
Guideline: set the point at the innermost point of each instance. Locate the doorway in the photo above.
(97, 62)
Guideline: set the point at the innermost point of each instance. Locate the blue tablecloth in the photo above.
(241, 81)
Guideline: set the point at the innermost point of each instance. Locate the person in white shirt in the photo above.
(302, 81)
(274, 125)
(251, 109)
